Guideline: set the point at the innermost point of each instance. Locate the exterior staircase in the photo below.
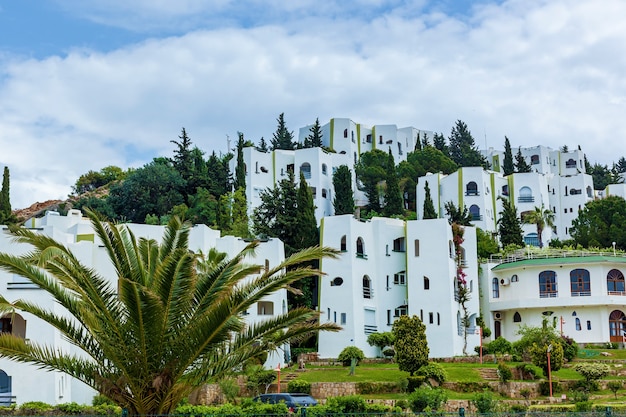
(489, 374)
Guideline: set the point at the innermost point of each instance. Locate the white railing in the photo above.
(524, 254)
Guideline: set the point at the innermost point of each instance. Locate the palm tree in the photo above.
(168, 323)
(541, 217)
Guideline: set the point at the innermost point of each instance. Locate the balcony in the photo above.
(369, 329)
(526, 199)
(549, 294)
(581, 293)
(471, 192)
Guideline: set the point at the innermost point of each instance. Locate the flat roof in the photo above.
(559, 260)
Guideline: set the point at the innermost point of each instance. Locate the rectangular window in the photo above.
(265, 308)
(335, 316)
(389, 318)
(343, 318)
(416, 243)
(399, 278)
(588, 324)
(431, 318)
(401, 311)
(398, 245)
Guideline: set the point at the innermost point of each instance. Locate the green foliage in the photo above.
(615, 386)
(507, 166)
(123, 320)
(343, 201)
(414, 382)
(486, 244)
(240, 169)
(371, 171)
(499, 346)
(410, 343)
(520, 163)
(93, 180)
(429, 211)
(570, 348)
(504, 372)
(314, 140)
(101, 399)
(350, 352)
(592, 371)
(230, 389)
(509, 227)
(296, 351)
(34, 408)
(380, 340)
(463, 150)
(541, 217)
(544, 388)
(458, 216)
(259, 379)
(600, 223)
(427, 399)
(484, 402)
(232, 216)
(346, 404)
(433, 371)
(298, 385)
(283, 138)
(535, 341)
(393, 197)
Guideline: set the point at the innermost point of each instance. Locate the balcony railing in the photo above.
(361, 255)
(526, 199)
(471, 192)
(581, 293)
(369, 329)
(527, 253)
(621, 293)
(549, 294)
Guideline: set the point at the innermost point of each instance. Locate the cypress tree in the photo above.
(393, 197)
(6, 216)
(314, 140)
(520, 163)
(240, 170)
(509, 227)
(429, 208)
(343, 201)
(508, 165)
(307, 231)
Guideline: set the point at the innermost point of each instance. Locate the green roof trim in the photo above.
(559, 260)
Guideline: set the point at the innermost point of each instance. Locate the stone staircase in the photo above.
(489, 374)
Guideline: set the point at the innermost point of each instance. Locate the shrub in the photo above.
(349, 353)
(101, 399)
(501, 346)
(403, 404)
(34, 408)
(614, 386)
(296, 351)
(298, 385)
(544, 387)
(592, 371)
(583, 406)
(528, 371)
(414, 382)
(433, 371)
(484, 402)
(504, 372)
(427, 399)
(525, 393)
(389, 353)
(518, 408)
(346, 404)
(570, 348)
(70, 408)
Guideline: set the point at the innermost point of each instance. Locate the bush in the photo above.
(484, 402)
(583, 406)
(346, 404)
(528, 371)
(570, 348)
(544, 388)
(296, 351)
(403, 404)
(427, 399)
(414, 382)
(500, 345)
(101, 399)
(614, 386)
(34, 408)
(504, 372)
(299, 385)
(70, 408)
(349, 353)
(518, 408)
(592, 371)
(433, 371)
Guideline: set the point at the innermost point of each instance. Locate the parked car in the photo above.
(293, 401)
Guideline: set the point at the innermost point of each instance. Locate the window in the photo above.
(343, 318)
(471, 188)
(336, 282)
(352, 134)
(575, 191)
(617, 325)
(431, 318)
(615, 282)
(256, 167)
(360, 248)
(525, 195)
(267, 265)
(588, 324)
(380, 139)
(426, 283)
(368, 138)
(291, 167)
(399, 148)
(388, 317)
(313, 192)
(305, 169)
(345, 133)
(323, 192)
(265, 308)
(580, 282)
(547, 284)
(438, 319)
(534, 159)
(495, 288)
(517, 318)
(416, 244)
(5, 325)
(399, 245)
(367, 287)
(344, 247)
(401, 311)
(578, 327)
(570, 163)
(589, 192)
(399, 278)
(505, 190)
(324, 169)
(475, 212)
(514, 278)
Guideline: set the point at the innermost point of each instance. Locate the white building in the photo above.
(390, 268)
(582, 294)
(18, 379)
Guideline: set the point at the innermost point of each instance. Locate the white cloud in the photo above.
(539, 72)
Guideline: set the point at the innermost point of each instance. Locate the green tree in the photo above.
(240, 169)
(463, 150)
(393, 197)
(306, 223)
(541, 217)
(601, 175)
(343, 201)
(486, 245)
(283, 138)
(456, 215)
(429, 211)
(218, 174)
(535, 341)
(262, 146)
(163, 326)
(439, 142)
(232, 216)
(508, 166)
(314, 140)
(600, 223)
(430, 159)
(380, 340)
(6, 214)
(509, 227)
(520, 163)
(410, 343)
(93, 180)
(371, 173)
(183, 158)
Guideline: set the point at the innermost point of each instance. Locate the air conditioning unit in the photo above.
(497, 315)
(505, 281)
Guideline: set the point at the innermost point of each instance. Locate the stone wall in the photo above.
(323, 390)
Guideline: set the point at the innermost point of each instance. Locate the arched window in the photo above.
(617, 325)
(580, 282)
(570, 163)
(360, 248)
(344, 246)
(5, 389)
(534, 159)
(426, 283)
(578, 327)
(547, 284)
(615, 282)
(305, 169)
(517, 318)
(495, 287)
(345, 133)
(367, 287)
(471, 188)
(475, 212)
(525, 195)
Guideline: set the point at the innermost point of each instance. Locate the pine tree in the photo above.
(439, 142)
(240, 169)
(463, 150)
(283, 139)
(520, 163)
(314, 140)
(262, 146)
(456, 215)
(429, 208)
(425, 143)
(393, 197)
(183, 158)
(509, 227)
(508, 165)
(343, 201)
(418, 143)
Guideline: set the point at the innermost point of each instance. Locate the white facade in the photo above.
(76, 232)
(389, 268)
(581, 294)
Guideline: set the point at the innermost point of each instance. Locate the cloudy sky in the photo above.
(86, 84)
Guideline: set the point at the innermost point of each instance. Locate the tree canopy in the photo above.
(343, 201)
(509, 226)
(164, 325)
(410, 343)
(600, 223)
(283, 138)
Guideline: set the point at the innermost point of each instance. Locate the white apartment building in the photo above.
(388, 268)
(18, 379)
(582, 294)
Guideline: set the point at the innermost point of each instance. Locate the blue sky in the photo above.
(86, 84)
